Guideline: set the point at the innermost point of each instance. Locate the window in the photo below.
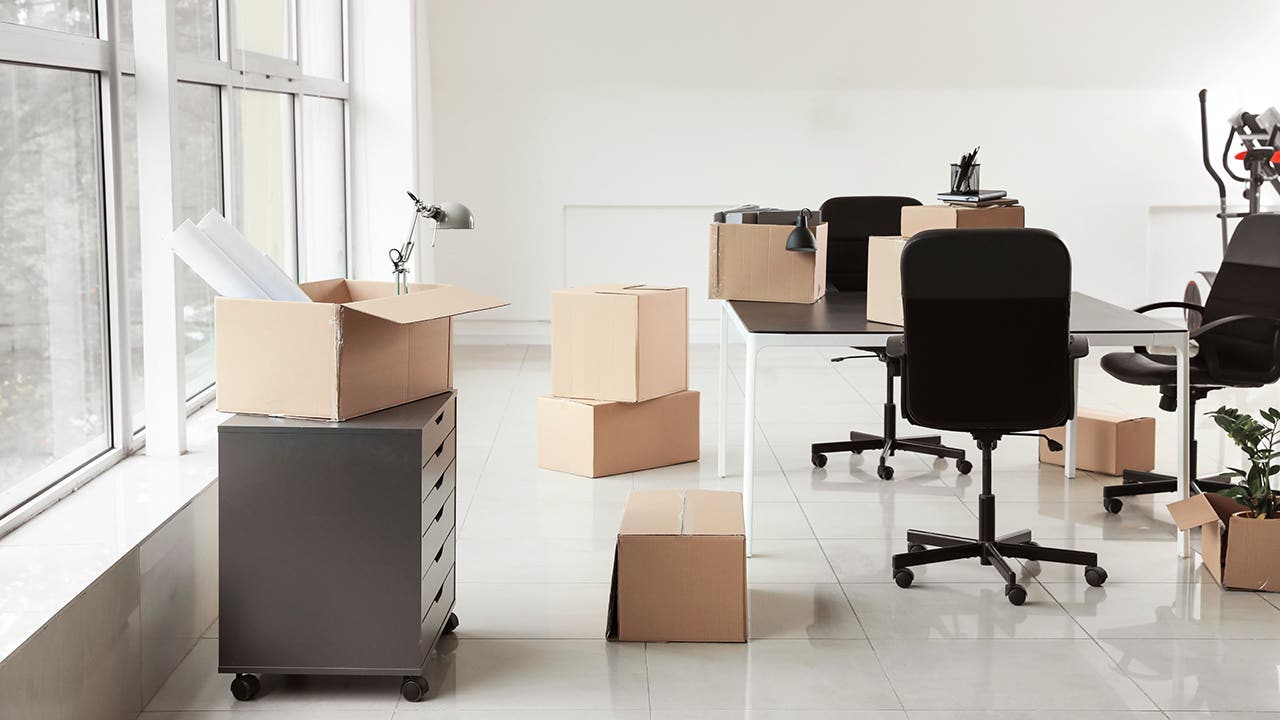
(264, 159)
(69, 16)
(195, 26)
(324, 210)
(53, 375)
(264, 26)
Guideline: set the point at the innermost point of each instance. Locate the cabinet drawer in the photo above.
(442, 603)
(439, 459)
(438, 427)
(438, 566)
(438, 530)
(438, 492)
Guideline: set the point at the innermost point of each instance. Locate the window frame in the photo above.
(111, 60)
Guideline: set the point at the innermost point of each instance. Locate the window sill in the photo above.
(55, 556)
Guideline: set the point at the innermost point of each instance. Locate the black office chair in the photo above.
(986, 350)
(850, 221)
(1239, 345)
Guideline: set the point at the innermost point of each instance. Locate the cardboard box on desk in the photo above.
(884, 278)
(680, 570)
(918, 218)
(751, 262)
(357, 348)
(1240, 552)
(624, 343)
(595, 438)
(1107, 443)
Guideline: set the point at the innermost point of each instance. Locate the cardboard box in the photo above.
(917, 218)
(1107, 443)
(619, 342)
(594, 438)
(884, 278)
(357, 348)
(751, 262)
(680, 569)
(1240, 552)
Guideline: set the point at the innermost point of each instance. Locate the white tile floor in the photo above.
(832, 635)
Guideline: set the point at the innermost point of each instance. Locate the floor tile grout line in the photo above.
(505, 409)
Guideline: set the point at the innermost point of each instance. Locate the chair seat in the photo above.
(1138, 369)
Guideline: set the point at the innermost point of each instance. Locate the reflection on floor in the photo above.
(831, 632)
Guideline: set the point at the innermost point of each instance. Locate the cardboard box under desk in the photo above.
(1106, 443)
(918, 218)
(751, 262)
(1240, 552)
(680, 570)
(357, 348)
(595, 438)
(625, 343)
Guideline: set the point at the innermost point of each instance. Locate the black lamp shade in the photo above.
(801, 239)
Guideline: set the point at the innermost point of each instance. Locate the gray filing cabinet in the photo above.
(336, 543)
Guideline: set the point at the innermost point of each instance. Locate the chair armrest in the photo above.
(1169, 304)
(1077, 346)
(896, 347)
(1220, 322)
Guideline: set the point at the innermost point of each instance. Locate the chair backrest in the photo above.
(1248, 283)
(850, 221)
(985, 320)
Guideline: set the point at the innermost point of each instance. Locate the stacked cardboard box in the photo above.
(619, 381)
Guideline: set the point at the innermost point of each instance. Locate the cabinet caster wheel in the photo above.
(413, 689)
(1113, 505)
(964, 467)
(1016, 594)
(915, 547)
(904, 577)
(819, 460)
(1095, 576)
(245, 687)
(885, 472)
(450, 625)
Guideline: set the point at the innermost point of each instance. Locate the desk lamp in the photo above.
(448, 216)
(801, 239)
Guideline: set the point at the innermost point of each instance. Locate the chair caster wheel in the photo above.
(904, 577)
(413, 689)
(885, 472)
(915, 547)
(819, 460)
(1016, 594)
(964, 467)
(1113, 505)
(1032, 567)
(856, 452)
(1095, 576)
(450, 625)
(245, 687)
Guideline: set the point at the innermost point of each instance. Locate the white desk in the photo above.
(840, 320)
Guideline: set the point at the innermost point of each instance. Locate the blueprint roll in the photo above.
(260, 269)
(212, 265)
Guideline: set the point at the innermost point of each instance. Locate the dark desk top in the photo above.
(846, 314)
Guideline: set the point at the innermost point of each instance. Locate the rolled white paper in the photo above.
(260, 268)
(212, 264)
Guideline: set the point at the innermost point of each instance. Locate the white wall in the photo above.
(551, 117)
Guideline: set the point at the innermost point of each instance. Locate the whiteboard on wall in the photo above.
(652, 244)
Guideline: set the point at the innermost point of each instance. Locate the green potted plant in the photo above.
(1257, 439)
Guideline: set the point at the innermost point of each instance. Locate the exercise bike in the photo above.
(1258, 135)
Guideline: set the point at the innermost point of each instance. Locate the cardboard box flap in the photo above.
(713, 512)
(1203, 509)
(619, 289)
(653, 512)
(431, 303)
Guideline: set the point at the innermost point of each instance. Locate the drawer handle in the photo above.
(440, 514)
(439, 418)
(440, 449)
(439, 593)
(439, 554)
(440, 482)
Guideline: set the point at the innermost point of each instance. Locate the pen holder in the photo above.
(967, 184)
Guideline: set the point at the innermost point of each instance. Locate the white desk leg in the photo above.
(1183, 350)
(749, 438)
(1069, 449)
(722, 405)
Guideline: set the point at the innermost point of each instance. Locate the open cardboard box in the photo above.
(1240, 552)
(751, 262)
(357, 348)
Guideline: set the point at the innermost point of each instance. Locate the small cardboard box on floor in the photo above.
(751, 262)
(1107, 443)
(918, 218)
(1241, 552)
(595, 438)
(680, 569)
(625, 343)
(358, 347)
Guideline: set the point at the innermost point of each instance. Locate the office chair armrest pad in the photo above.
(1169, 304)
(1211, 326)
(896, 346)
(1077, 346)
